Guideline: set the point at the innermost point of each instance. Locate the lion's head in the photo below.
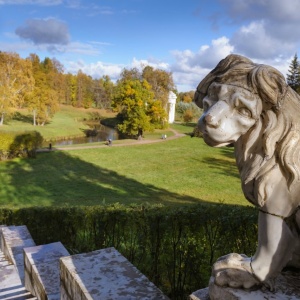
(251, 106)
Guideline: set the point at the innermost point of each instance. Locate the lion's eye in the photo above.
(245, 112)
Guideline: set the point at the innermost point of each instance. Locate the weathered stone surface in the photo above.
(42, 276)
(287, 288)
(104, 274)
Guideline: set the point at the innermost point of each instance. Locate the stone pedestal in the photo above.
(287, 288)
(104, 274)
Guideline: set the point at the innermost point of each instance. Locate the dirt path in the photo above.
(137, 142)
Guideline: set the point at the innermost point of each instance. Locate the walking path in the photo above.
(137, 142)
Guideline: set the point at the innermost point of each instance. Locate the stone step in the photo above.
(104, 274)
(16, 293)
(42, 277)
(13, 240)
(11, 286)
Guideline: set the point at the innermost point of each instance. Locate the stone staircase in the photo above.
(49, 272)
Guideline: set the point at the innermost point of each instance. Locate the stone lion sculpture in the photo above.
(251, 107)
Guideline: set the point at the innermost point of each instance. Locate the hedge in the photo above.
(174, 248)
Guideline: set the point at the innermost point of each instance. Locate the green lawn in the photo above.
(183, 171)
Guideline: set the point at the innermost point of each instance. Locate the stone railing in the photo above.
(49, 272)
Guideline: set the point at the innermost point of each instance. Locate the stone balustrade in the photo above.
(49, 272)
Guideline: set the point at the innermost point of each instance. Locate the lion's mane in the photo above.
(274, 141)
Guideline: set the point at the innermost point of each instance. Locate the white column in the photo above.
(172, 102)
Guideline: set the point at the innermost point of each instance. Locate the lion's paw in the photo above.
(234, 270)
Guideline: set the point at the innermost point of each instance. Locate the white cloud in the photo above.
(189, 68)
(96, 70)
(140, 64)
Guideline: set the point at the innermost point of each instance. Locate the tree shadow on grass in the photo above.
(222, 166)
(228, 151)
(58, 179)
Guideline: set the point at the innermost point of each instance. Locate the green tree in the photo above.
(130, 100)
(16, 80)
(293, 76)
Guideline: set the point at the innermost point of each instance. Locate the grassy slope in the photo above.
(174, 172)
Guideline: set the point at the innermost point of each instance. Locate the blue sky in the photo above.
(187, 38)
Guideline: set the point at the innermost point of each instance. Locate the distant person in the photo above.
(109, 142)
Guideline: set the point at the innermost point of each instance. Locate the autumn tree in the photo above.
(84, 92)
(186, 97)
(70, 89)
(130, 74)
(161, 83)
(156, 112)
(43, 100)
(103, 90)
(16, 80)
(293, 76)
(54, 71)
(130, 100)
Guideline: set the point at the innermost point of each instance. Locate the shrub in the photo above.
(19, 144)
(188, 116)
(182, 107)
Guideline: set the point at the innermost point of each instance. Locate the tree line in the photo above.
(139, 97)
(41, 85)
